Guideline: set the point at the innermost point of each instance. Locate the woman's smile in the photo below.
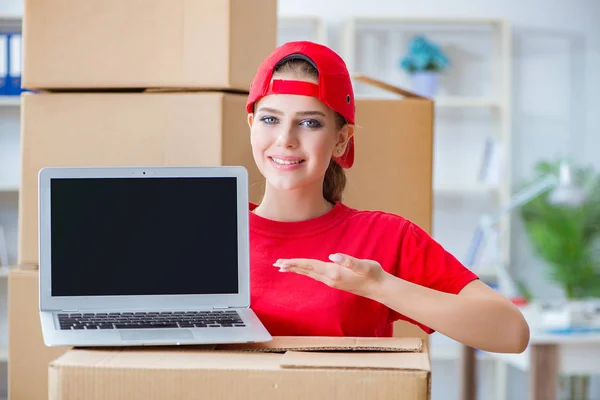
(286, 163)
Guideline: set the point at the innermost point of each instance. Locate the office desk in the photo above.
(546, 356)
(551, 354)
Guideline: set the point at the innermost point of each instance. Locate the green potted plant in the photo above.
(424, 61)
(567, 238)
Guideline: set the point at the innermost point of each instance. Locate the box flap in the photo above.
(398, 361)
(387, 86)
(330, 343)
(163, 358)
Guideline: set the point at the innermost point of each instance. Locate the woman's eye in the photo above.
(311, 123)
(269, 120)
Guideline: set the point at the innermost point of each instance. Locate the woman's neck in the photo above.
(292, 205)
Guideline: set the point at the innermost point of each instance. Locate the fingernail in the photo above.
(283, 269)
(336, 258)
(281, 264)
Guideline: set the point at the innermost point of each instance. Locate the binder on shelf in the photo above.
(3, 249)
(492, 165)
(3, 64)
(15, 63)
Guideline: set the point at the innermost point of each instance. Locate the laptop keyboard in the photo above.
(150, 320)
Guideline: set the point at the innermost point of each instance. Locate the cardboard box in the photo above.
(393, 167)
(285, 368)
(29, 357)
(127, 129)
(148, 44)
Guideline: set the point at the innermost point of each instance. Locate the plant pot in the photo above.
(425, 83)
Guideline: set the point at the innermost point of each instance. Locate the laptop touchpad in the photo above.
(158, 334)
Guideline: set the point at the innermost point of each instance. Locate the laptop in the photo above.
(145, 256)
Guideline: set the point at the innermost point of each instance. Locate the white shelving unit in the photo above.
(308, 27)
(9, 183)
(473, 106)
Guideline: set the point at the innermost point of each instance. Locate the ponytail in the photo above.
(334, 182)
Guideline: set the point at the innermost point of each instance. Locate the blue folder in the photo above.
(4, 90)
(14, 63)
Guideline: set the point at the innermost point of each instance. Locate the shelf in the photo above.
(10, 18)
(11, 22)
(299, 18)
(10, 101)
(452, 353)
(442, 102)
(467, 102)
(425, 20)
(9, 188)
(460, 189)
(442, 348)
(486, 272)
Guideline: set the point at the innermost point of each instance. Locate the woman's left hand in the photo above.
(345, 272)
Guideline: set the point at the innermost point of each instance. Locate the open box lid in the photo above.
(281, 344)
(388, 87)
(343, 352)
(385, 360)
(282, 353)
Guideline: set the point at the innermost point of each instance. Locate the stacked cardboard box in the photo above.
(164, 83)
(28, 356)
(126, 83)
(285, 368)
(393, 166)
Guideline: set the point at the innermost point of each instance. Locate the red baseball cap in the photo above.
(334, 87)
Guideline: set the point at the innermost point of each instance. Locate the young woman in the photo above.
(322, 268)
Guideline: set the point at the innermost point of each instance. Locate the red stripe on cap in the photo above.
(280, 86)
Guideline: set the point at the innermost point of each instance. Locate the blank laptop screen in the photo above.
(144, 236)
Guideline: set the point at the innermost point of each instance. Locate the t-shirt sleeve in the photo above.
(425, 262)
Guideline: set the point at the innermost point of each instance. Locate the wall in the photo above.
(556, 95)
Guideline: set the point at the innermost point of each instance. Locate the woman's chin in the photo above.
(286, 184)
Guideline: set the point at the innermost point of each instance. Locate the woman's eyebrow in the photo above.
(270, 110)
(311, 113)
(301, 113)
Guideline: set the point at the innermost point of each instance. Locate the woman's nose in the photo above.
(287, 137)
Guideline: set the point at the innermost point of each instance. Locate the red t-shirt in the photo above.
(293, 304)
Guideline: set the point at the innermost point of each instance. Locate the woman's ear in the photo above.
(250, 119)
(345, 134)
